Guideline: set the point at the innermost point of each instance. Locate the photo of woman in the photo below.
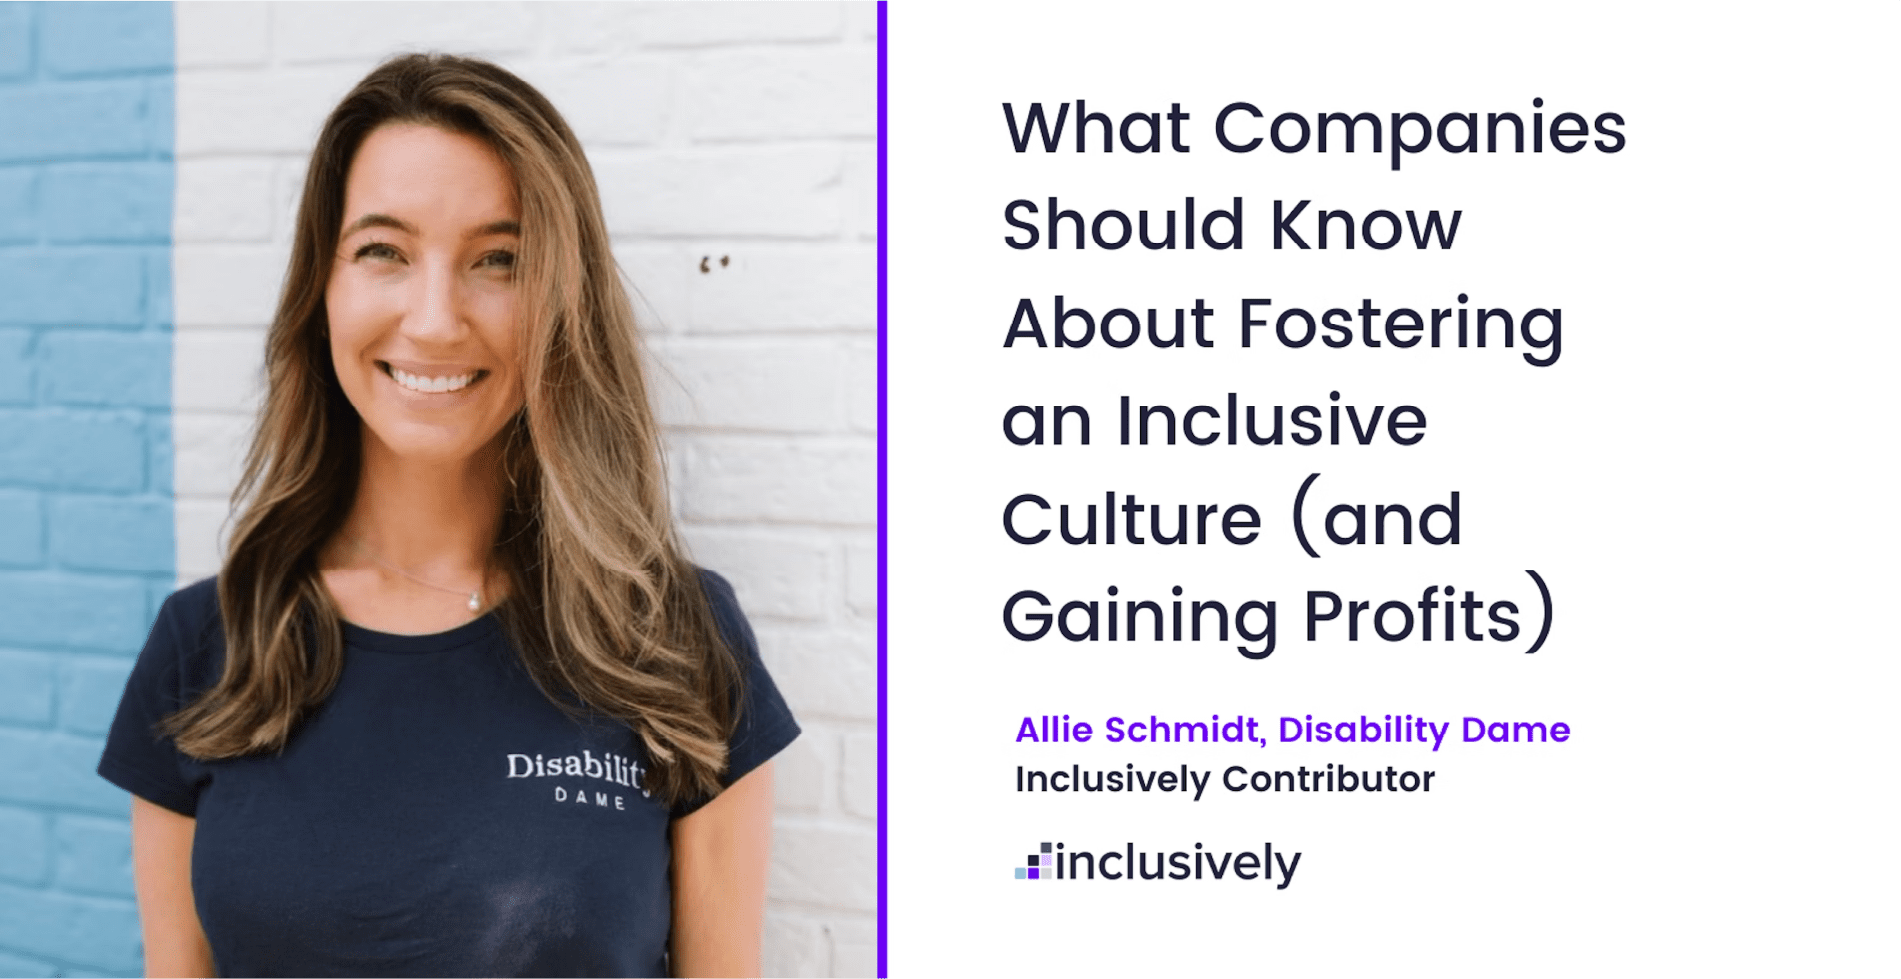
(457, 703)
(393, 442)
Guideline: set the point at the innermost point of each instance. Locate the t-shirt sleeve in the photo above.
(765, 724)
(138, 758)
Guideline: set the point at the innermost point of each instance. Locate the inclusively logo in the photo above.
(1054, 861)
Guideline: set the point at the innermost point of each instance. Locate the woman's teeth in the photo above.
(431, 385)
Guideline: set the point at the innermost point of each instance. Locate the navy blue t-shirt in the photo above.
(437, 815)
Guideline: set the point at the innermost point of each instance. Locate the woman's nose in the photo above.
(435, 306)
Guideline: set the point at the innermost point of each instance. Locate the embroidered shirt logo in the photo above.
(606, 767)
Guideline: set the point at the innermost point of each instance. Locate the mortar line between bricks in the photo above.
(866, 140)
(835, 820)
(809, 908)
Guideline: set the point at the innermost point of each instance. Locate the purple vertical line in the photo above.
(884, 447)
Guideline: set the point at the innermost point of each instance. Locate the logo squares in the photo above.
(1039, 865)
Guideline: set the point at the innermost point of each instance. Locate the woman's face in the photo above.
(422, 296)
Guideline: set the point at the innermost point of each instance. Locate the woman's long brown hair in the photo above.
(606, 611)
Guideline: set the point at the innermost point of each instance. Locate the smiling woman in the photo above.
(424, 337)
(457, 702)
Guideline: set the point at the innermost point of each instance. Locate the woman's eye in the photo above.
(377, 249)
(497, 260)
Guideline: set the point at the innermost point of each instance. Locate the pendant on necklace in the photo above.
(475, 601)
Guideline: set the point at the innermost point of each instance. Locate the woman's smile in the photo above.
(431, 380)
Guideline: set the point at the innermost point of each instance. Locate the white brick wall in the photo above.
(736, 131)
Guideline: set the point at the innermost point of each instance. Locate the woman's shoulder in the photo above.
(192, 609)
(719, 591)
(182, 657)
(764, 725)
(198, 599)
(189, 631)
(723, 601)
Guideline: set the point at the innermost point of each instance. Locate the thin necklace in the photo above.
(475, 595)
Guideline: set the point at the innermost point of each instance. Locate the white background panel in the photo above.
(1702, 478)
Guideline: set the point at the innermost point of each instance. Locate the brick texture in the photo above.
(734, 144)
(86, 522)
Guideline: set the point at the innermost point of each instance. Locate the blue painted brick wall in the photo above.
(86, 548)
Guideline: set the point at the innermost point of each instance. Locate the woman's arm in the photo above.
(719, 880)
(161, 869)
